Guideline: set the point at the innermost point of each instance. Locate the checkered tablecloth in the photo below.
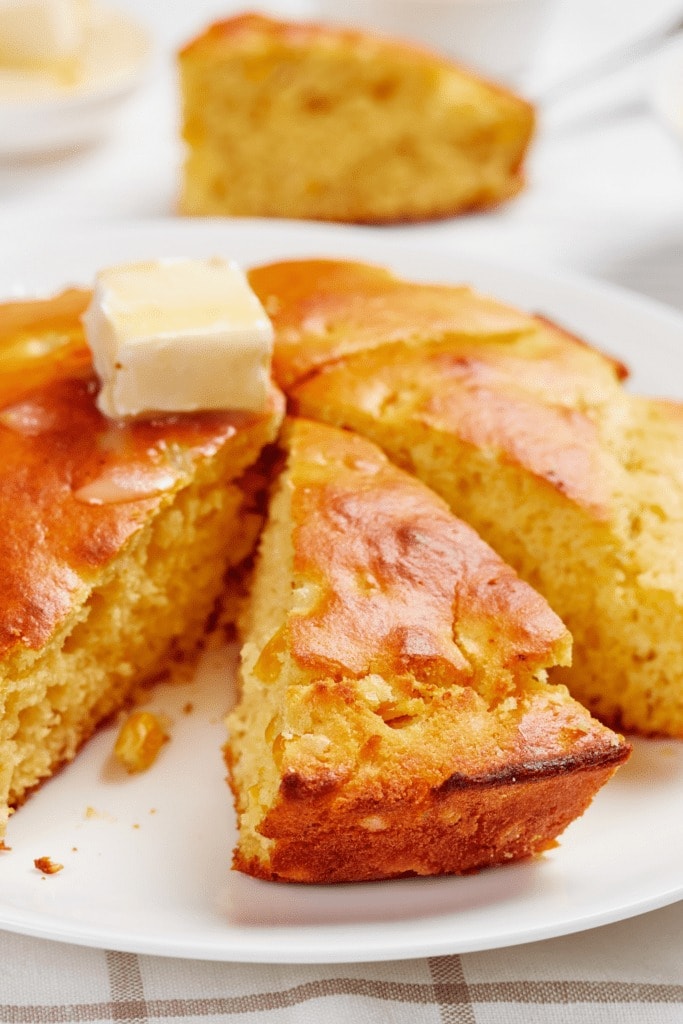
(625, 973)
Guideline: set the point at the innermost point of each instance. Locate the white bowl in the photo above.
(38, 115)
(496, 37)
(667, 88)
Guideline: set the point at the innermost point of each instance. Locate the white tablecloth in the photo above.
(605, 198)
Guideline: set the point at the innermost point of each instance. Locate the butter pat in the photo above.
(43, 34)
(178, 336)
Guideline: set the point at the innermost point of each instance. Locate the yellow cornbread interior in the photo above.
(341, 130)
(254, 769)
(142, 617)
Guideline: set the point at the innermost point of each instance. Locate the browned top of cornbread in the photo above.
(392, 570)
(251, 29)
(325, 309)
(75, 486)
(497, 378)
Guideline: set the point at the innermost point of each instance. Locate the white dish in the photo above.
(160, 882)
(667, 88)
(38, 116)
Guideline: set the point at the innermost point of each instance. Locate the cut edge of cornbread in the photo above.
(142, 618)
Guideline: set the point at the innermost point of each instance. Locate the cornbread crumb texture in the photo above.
(395, 716)
(116, 541)
(530, 436)
(299, 120)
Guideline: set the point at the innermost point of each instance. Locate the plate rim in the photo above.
(465, 248)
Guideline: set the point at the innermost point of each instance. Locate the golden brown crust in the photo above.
(452, 832)
(250, 28)
(409, 724)
(325, 309)
(396, 576)
(495, 378)
(64, 353)
(57, 450)
(481, 403)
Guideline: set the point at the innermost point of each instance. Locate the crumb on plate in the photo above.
(47, 865)
(139, 741)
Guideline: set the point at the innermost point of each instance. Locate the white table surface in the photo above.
(605, 198)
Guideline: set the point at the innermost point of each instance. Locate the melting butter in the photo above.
(27, 418)
(178, 335)
(119, 485)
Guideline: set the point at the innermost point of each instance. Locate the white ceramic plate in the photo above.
(146, 869)
(36, 118)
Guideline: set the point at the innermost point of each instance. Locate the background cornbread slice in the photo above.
(115, 539)
(395, 716)
(299, 120)
(530, 436)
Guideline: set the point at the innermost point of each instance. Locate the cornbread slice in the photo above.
(303, 120)
(395, 717)
(115, 539)
(530, 436)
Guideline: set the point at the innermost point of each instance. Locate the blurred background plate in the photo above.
(39, 116)
(667, 88)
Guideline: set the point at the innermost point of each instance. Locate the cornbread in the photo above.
(116, 538)
(530, 436)
(285, 119)
(395, 717)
